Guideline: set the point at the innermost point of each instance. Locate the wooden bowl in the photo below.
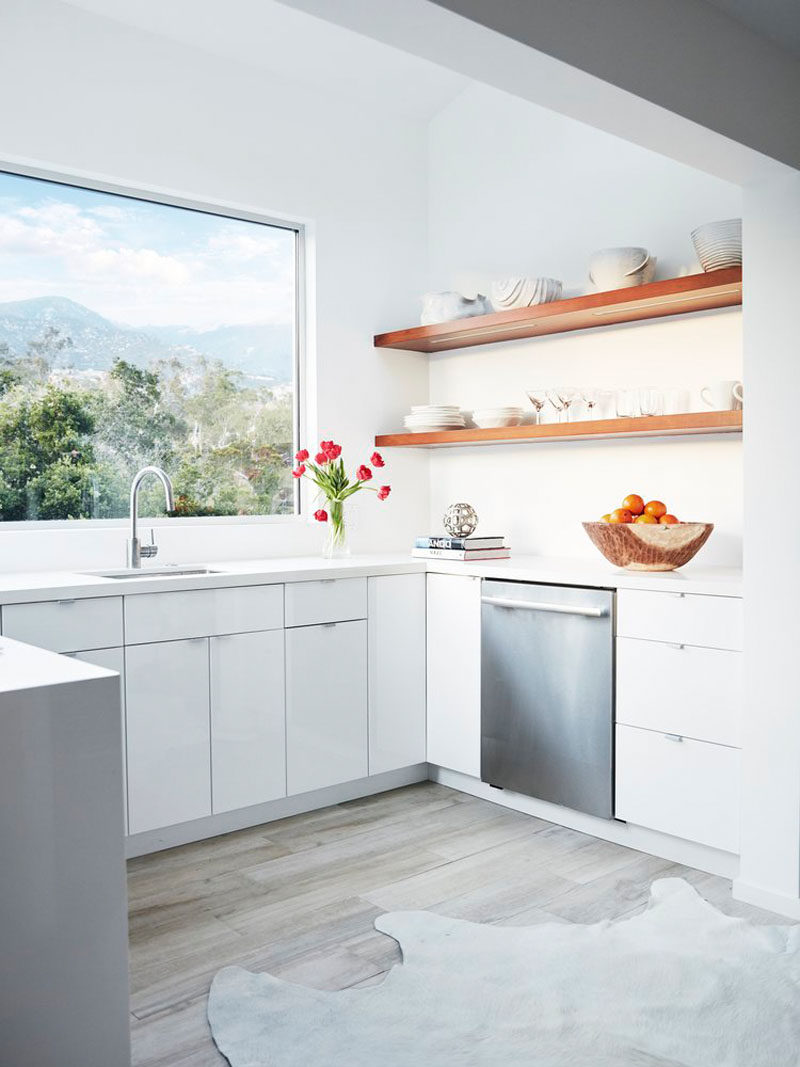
(647, 547)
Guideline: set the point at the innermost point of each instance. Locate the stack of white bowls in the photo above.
(719, 244)
(493, 418)
(425, 418)
(524, 292)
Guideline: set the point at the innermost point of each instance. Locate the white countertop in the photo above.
(26, 667)
(58, 585)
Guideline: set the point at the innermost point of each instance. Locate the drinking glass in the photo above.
(555, 400)
(538, 397)
(651, 401)
(627, 403)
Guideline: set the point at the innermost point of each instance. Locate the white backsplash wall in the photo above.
(516, 189)
(134, 108)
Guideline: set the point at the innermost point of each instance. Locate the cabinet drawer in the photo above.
(683, 618)
(66, 625)
(680, 689)
(153, 617)
(689, 789)
(331, 600)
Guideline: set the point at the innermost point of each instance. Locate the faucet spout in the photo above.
(135, 548)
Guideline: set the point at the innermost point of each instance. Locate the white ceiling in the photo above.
(267, 35)
(779, 20)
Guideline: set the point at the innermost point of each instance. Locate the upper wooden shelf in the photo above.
(675, 296)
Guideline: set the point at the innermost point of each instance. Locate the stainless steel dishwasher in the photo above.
(547, 693)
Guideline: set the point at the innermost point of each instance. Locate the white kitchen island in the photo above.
(63, 903)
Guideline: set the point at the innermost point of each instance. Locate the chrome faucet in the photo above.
(136, 550)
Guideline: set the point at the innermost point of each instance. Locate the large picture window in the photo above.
(134, 332)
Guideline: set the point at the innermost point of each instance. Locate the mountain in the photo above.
(260, 350)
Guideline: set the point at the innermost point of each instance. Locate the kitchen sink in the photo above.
(155, 572)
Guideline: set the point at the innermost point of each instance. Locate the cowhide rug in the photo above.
(679, 985)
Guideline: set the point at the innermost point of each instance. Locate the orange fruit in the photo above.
(655, 508)
(620, 515)
(605, 518)
(634, 503)
(646, 518)
(668, 520)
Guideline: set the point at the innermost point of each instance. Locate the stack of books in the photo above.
(461, 548)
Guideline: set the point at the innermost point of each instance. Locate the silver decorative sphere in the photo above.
(460, 520)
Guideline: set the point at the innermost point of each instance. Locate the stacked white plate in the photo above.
(524, 292)
(494, 418)
(425, 418)
(719, 244)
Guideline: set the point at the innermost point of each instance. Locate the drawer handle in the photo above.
(65, 603)
(329, 625)
(327, 581)
(678, 648)
(673, 737)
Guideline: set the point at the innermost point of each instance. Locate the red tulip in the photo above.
(301, 470)
(321, 515)
(302, 455)
(325, 445)
(333, 451)
(363, 473)
(321, 458)
(384, 491)
(377, 460)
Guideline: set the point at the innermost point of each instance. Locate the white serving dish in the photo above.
(447, 307)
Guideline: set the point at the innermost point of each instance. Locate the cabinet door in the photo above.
(454, 672)
(686, 788)
(396, 671)
(326, 705)
(169, 744)
(113, 659)
(248, 720)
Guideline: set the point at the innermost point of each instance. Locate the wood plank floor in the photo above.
(298, 898)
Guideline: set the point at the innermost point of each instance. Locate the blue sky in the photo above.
(141, 263)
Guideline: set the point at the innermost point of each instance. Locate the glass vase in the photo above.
(336, 546)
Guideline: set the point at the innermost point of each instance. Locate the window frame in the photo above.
(302, 282)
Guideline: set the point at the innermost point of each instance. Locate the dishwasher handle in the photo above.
(535, 605)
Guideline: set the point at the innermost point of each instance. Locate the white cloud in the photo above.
(138, 263)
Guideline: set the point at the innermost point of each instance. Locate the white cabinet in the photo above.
(248, 722)
(330, 600)
(454, 672)
(680, 689)
(710, 621)
(326, 705)
(202, 613)
(686, 788)
(66, 625)
(167, 701)
(113, 659)
(396, 671)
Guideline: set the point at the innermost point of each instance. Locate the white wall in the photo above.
(538, 195)
(87, 95)
(770, 836)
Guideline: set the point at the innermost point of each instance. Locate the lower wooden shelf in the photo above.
(697, 422)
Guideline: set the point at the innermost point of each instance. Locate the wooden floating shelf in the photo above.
(675, 296)
(700, 422)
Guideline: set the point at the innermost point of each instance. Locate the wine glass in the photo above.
(566, 396)
(537, 397)
(557, 402)
(591, 398)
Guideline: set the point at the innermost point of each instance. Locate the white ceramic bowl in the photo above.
(719, 244)
(522, 292)
(621, 268)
